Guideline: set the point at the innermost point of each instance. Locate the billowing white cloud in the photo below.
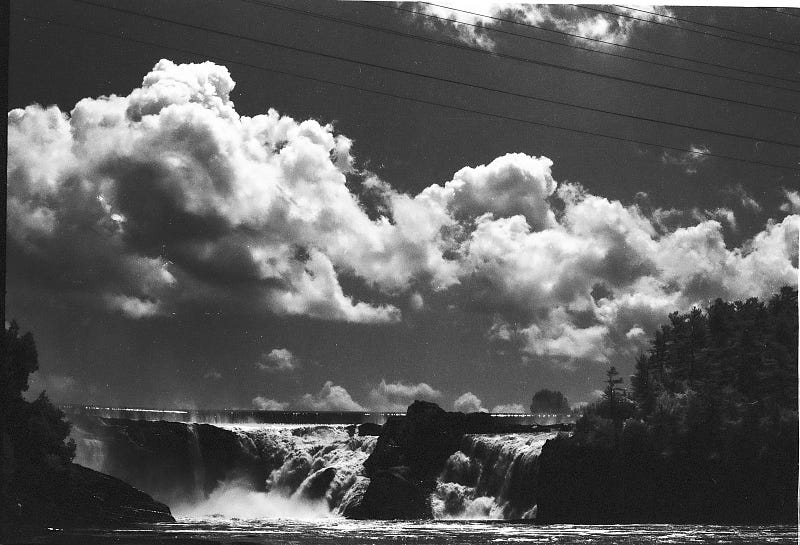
(267, 404)
(278, 360)
(397, 396)
(468, 403)
(330, 398)
(722, 214)
(601, 280)
(167, 196)
(515, 184)
(513, 408)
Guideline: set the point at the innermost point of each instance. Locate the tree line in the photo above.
(707, 430)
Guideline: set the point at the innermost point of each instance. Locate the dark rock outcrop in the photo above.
(421, 441)
(76, 496)
(393, 493)
(411, 451)
(368, 428)
(316, 485)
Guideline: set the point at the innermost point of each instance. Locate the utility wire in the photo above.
(605, 42)
(775, 10)
(507, 92)
(695, 31)
(589, 49)
(409, 99)
(467, 48)
(707, 25)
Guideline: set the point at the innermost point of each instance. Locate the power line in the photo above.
(504, 91)
(775, 10)
(695, 31)
(726, 29)
(467, 48)
(606, 42)
(411, 99)
(590, 50)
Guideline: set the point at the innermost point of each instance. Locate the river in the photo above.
(340, 531)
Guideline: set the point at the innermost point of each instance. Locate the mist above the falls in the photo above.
(237, 500)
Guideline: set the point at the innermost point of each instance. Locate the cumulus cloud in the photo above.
(330, 398)
(792, 204)
(397, 396)
(266, 404)
(167, 196)
(515, 184)
(512, 408)
(722, 214)
(278, 360)
(468, 403)
(597, 283)
(689, 161)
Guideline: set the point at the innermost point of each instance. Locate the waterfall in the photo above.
(297, 470)
(491, 476)
(196, 461)
(233, 470)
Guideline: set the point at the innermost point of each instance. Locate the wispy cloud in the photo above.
(689, 161)
(267, 404)
(469, 21)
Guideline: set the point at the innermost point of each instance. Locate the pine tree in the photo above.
(612, 394)
(642, 385)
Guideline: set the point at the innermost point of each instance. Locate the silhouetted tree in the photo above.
(715, 421)
(642, 385)
(33, 434)
(549, 401)
(612, 395)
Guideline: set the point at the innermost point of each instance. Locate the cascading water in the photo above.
(311, 470)
(246, 471)
(297, 471)
(492, 476)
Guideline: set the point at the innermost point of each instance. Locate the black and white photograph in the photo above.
(364, 272)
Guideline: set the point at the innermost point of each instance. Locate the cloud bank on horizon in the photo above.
(168, 199)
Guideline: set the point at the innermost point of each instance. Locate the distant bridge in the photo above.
(248, 416)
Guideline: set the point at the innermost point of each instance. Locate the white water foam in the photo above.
(491, 477)
(315, 468)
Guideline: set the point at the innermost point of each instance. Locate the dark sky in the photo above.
(174, 245)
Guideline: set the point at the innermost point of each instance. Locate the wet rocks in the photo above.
(393, 493)
(76, 496)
